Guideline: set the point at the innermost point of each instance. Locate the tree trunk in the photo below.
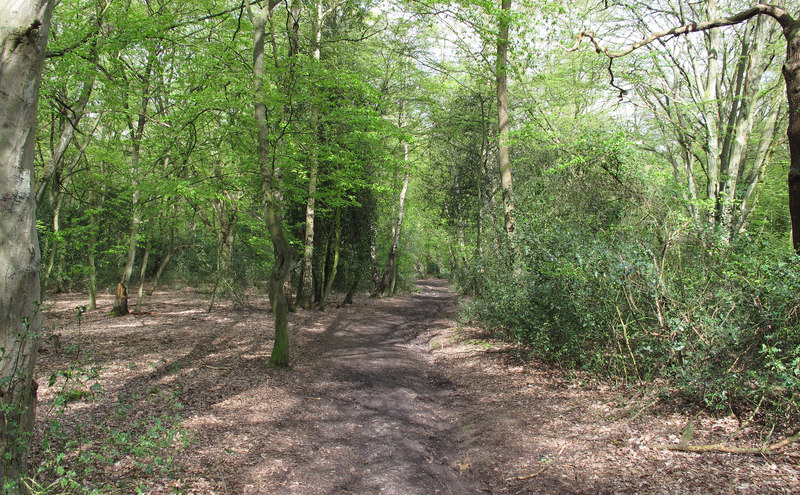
(391, 258)
(757, 171)
(791, 73)
(120, 307)
(23, 40)
(330, 276)
(91, 253)
(284, 258)
(304, 292)
(504, 158)
(756, 65)
(133, 237)
(53, 245)
(165, 262)
(142, 272)
(711, 120)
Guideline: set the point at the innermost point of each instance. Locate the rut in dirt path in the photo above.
(377, 416)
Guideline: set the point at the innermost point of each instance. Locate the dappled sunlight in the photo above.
(390, 395)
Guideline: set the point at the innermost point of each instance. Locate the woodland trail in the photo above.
(383, 397)
(376, 418)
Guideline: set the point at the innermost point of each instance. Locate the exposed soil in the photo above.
(384, 396)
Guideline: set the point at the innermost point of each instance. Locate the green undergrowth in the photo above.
(132, 441)
(719, 324)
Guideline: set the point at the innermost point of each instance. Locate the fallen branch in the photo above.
(545, 468)
(720, 447)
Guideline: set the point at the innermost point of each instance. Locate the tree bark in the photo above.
(284, 256)
(142, 272)
(711, 120)
(91, 253)
(23, 41)
(757, 171)
(163, 265)
(53, 245)
(756, 65)
(304, 292)
(391, 258)
(330, 276)
(791, 74)
(503, 155)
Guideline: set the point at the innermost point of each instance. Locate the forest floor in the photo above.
(386, 396)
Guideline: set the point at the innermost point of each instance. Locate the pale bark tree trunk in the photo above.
(284, 256)
(504, 158)
(53, 244)
(133, 237)
(711, 120)
(94, 208)
(23, 40)
(137, 132)
(757, 171)
(304, 289)
(142, 272)
(791, 75)
(57, 199)
(391, 259)
(756, 65)
(725, 104)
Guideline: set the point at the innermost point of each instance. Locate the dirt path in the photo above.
(384, 397)
(371, 413)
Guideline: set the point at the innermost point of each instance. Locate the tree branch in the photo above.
(784, 19)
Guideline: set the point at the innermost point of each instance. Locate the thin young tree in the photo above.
(284, 254)
(504, 158)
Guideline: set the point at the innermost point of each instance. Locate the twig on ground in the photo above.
(719, 447)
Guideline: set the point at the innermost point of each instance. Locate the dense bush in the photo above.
(721, 324)
(607, 275)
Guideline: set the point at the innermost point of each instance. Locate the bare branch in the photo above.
(777, 13)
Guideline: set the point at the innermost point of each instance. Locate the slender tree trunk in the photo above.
(322, 271)
(330, 276)
(53, 245)
(504, 158)
(756, 66)
(391, 258)
(23, 41)
(757, 172)
(304, 292)
(142, 272)
(710, 119)
(133, 237)
(91, 253)
(284, 258)
(163, 265)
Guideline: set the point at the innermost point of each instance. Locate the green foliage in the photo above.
(628, 289)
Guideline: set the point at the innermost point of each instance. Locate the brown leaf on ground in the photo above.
(384, 396)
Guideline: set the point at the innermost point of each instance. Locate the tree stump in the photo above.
(120, 301)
